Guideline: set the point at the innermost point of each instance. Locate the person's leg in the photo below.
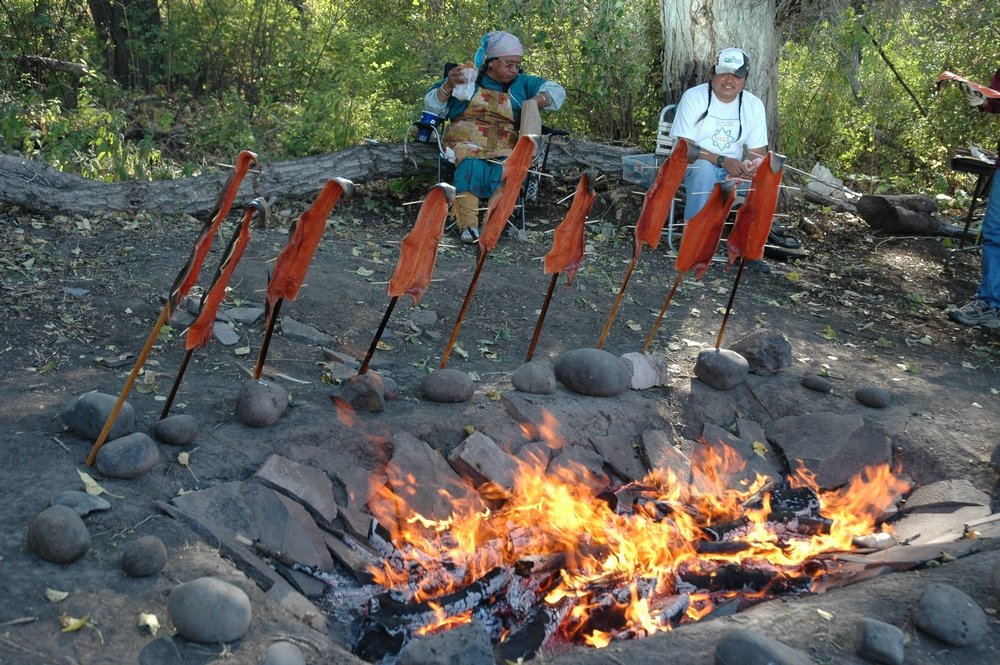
(984, 309)
(466, 210)
(699, 180)
(989, 287)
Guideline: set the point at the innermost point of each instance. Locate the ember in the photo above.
(561, 558)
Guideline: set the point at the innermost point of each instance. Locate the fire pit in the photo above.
(564, 558)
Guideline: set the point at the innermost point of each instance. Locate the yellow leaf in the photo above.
(184, 459)
(384, 346)
(54, 596)
(759, 449)
(633, 325)
(147, 620)
(93, 488)
(826, 615)
(72, 624)
(792, 276)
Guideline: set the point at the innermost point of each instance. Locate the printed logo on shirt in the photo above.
(722, 139)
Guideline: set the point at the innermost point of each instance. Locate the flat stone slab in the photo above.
(306, 484)
(479, 459)
(944, 494)
(419, 473)
(835, 447)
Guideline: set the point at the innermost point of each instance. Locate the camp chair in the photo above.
(433, 132)
(780, 243)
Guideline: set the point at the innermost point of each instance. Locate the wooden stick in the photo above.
(618, 302)
(123, 395)
(465, 307)
(729, 305)
(663, 310)
(541, 317)
(177, 384)
(272, 321)
(378, 335)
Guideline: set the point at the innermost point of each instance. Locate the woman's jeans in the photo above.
(989, 287)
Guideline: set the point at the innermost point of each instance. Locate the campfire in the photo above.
(562, 558)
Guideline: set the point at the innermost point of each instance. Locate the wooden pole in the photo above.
(465, 308)
(123, 395)
(272, 321)
(177, 384)
(378, 335)
(729, 305)
(618, 302)
(663, 310)
(541, 317)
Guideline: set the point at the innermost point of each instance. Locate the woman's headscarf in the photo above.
(497, 45)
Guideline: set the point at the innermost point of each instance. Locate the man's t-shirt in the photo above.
(720, 130)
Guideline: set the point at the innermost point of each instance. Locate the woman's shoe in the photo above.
(470, 235)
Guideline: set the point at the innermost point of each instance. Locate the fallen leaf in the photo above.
(72, 624)
(92, 487)
(242, 351)
(54, 596)
(365, 272)
(823, 613)
(384, 346)
(760, 449)
(184, 459)
(829, 333)
(147, 620)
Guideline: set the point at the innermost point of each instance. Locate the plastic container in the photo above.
(426, 125)
(640, 169)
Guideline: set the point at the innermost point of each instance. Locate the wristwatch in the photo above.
(719, 160)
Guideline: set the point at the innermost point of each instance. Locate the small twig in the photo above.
(61, 444)
(18, 622)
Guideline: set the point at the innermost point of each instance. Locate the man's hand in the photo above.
(974, 97)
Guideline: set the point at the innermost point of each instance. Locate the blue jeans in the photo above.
(699, 180)
(989, 287)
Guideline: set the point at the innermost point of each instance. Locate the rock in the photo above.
(225, 334)
(648, 370)
(448, 385)
(390, 389)
(209, 610)
(423, 317)
(363, 392)
(743, 647)
(767, 352)
(659, 451)
(534, 377)
(950, 615)
(58, 534)
(817, 383)
(592, 372)
(880, 642)
(81, 502)
(178, 430)
(481, 460)
(245, 315)
(833, 446)
(944, 494)
(995, 459)
(144, 556)
(721, 369)
(468, 644)
(300, 332)
(877, 398)
(308, 485)
(431, 487)
(87, 413)
(261, 403)
(995, 578)
(128, 457)
(283, 653)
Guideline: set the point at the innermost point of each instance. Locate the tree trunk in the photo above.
(37, 187)
(128, 29)
(910, 214)
(694, 31)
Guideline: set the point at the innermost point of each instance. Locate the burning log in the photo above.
(532, 636)
(452, 604)
(734, 577)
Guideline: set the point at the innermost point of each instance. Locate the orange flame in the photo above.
(640, 553)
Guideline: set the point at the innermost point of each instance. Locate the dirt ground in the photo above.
(80, 294)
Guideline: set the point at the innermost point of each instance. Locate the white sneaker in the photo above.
(470, 236)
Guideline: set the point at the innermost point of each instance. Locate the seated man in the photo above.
(485, 128)
(729, 126)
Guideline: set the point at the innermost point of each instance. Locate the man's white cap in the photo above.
(733, 61)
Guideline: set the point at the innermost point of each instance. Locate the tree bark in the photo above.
(127, 29)
(694, 31)
(37, 187)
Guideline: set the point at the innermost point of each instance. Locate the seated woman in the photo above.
(485, 128)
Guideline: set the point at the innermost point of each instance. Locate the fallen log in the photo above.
(37, 187)
(904, 215)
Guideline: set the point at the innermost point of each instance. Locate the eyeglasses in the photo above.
(509, 64)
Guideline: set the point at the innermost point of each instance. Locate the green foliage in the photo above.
(841, 103)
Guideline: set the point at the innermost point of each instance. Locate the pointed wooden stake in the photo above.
(618, 302)
(123, 395)
(378, 335)
(541, 316)
(177, 384)
(465, 308)
(272, 320)
(663, 310)
(729, 305)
